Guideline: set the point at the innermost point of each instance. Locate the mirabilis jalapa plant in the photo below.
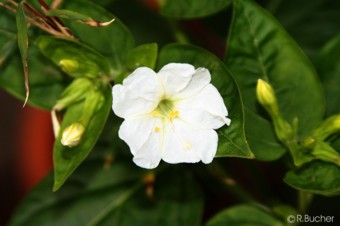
(262, 102)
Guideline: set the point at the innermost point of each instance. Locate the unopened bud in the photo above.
(266, 97)
(72, 135)
(330, 126)
(69, 66)
(75, 92)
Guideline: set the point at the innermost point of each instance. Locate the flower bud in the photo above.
(330, 126)
(266, 97)
(69, 66)
(71, 136)
(75, 92)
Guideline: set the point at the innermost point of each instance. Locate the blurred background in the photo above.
(24, 159)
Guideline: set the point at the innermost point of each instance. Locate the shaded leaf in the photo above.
(258, 47)
(143, 56)
(66, 159)
(23, 44)
(316, 177)
(317, 15)
(328, 65)
(113, 41)
(232, 140)
(74, 58)
(191, 8)
(46, 81)
(113, 196)
(244, 215)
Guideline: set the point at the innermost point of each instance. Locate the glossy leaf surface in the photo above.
(258, 47)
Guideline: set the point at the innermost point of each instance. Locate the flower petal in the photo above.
(184, 143)
(175, 77)
(127, 104)
(206, 109)
(199, 80)
(135, 131)
(139, 94)
(144, 83)
(149, 155)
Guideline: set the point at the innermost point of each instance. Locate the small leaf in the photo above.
(78, 17)
(255, 50)
(23, 44)
(66, 159)
(244, 215)
(143, 56)
(316, 177)
(232, 140)
(74, 58)
(191, 8)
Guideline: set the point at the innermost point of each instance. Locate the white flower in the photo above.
(169, 115)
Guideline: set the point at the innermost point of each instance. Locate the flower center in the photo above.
(166, 109)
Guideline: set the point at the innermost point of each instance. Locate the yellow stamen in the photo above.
(187, 145)
(155, 113)
(157, 129)
(173, 114)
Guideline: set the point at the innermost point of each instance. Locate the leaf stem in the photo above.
(304, 200)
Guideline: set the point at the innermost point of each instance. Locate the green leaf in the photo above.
(143, 56)
(316, 177)
(232, 140)
(244, 215)
(46, 81)
(74, 58)
(113, 196)
(191, 8)
(317, 15)
(328, 65)
(66, 159)
(113, 41)
(258, 47)
(23, 44)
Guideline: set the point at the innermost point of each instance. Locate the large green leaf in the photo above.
(191, 8)
(317, 15)
(316, 177)
(328, 65)
(67, 159)
(232, 140)
(258, 47)
(46, 81)
(244, 215)
(113, 41)
(114, 195)
(74, 58)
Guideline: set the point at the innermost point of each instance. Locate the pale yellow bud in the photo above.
(265, 93)
(69, 65)
(72, 135)
(266, 97)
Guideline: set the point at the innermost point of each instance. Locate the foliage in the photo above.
(64, 56)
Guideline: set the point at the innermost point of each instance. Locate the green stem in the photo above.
(304, 200)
